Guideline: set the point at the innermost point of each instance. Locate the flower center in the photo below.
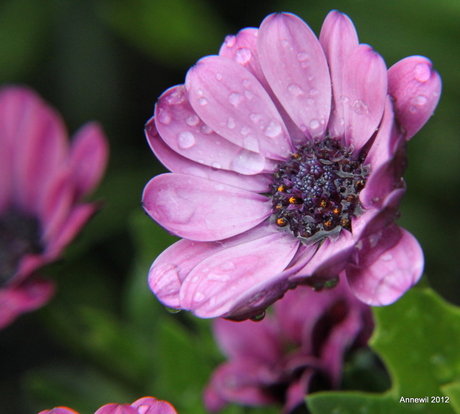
(19, 235)
(316, 192)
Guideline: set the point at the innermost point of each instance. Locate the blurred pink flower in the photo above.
(42, 181)
(146, 405)
(300, 345)
(287, 154)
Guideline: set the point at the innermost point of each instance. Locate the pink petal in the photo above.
(258, 183)
(88, 158)
(59, 410)
(297, 389)
(25, 297)
(339, 39)
(181, 128)
(241, 274)
(116, 409)
(199, 209)
(150, 405)
(364, 94)
(258, 341)
(390, 275)
(416, 88)
(231, 101)
(296, 69)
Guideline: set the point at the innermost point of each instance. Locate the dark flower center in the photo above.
(316, 192)
(19, 235)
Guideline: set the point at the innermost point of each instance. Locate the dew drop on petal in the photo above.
(388, 257)
(302, 56)
(219, 76)
(216, 165)
(258, 317)
(243, 55)
(313, 92)
(284, 43)
(164, 116)
(360, 107)
(199, 92)
(314, 123)
(205, 129)
(245, 130)
(172, 310)
(273, 129)
(227, 266)
(249, 95)
(192, 120)
(251, 143)
(230, 40)
(295, 89)
(422, 72)
(202, 101)
(248, 162)
(235, 98)
(185, 140)
(198, 297)
(231, 123)
(254, 117)
(420, 100)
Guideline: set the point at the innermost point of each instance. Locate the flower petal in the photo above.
(364, 94)
(416, 88)
(339, 39)
(231, 101)
(199, 209)
(116, 409)
(390, 275)
(150, 405)
(258, 183)
(88, 158)
(296, 69)
(241, 274)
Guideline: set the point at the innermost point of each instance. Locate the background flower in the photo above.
(43, 180)
(299, 348)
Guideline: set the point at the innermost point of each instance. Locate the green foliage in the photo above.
(411, 338)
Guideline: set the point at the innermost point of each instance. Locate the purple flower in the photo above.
(42, 180)
(279, 359)
(287, 154)
(146, 405)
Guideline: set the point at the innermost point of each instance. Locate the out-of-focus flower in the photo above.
(287, 154)
(42, 182)
(301, 345)
(146, 405)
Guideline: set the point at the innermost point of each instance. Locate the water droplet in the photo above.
(251, 143)
(302, 56)
(199, 92)
(422, 72)
(273, 129)
(284, 43)
(419, 100)
(205, 129)
(248, 162)
(185, 140)
(164, 116)
(388, 257)
(192, 120)
(172, 310)
(249, 95)
(343, 98)
(255, 117)
(243, 55)
(217, 166)
(231, 123)
(295, 89)
(219, 76)
(314, 92)
(235, 98)
(314, 123)
(360, 107)
(199, 297)
(202, 101)
(258, 317)
(230, 40)
(245, 130)
(227, 266)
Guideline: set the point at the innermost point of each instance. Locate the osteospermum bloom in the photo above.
(146, 405)
(287, 154)
(300, 346)
(42, 182)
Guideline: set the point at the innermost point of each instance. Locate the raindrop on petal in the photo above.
(192, 120)
(360, 107)
(314, 123)
(295, 89)
(230, 40)
(202, 101)
(258, 317)
(164, 116)
(231, 123)
(185, 139)
(199, 297)
(172, 310)
(235, 98)
(273, 129)
(422, 72)
(243, 55)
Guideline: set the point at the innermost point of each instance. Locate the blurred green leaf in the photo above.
(174, 31)
(417, 338)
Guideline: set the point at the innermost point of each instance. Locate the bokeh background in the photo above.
(104, 337)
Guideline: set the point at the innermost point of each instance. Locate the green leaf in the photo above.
(417, 338)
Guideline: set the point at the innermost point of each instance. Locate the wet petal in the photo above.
(258, 183)
(241, 274)
(199, 209)
(364, 94)
(296, 69)
(88, 158)
(339, 39)
(416, 87)
(231, 101)
(391, 275)
(150, 405)
(116, 409)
